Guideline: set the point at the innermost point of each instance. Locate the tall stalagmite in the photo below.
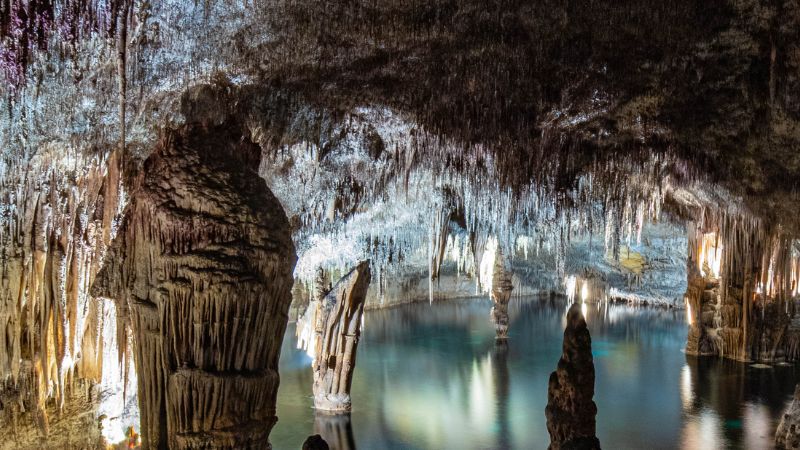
(202, 268)
(570, 409)
(501, 294)
(336, 332)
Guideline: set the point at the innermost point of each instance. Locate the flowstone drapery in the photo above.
(202, 268)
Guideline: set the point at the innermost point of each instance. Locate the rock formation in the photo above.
(788, 435)
(570, 409)
(336, 332)
(740, 293)
(53, 217)
(202, 270)
(315, 442)
(501, 294)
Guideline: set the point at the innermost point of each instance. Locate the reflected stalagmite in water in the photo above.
(502, 381)
(336, 429)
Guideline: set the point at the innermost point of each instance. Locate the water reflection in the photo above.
(336, 429)
(502, 381)
(431, 377)
(727, 403)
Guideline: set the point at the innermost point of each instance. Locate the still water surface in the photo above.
(431, 377)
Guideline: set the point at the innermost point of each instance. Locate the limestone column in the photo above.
(337, 330)
(203, 265)
(570, 409)
(501, 295)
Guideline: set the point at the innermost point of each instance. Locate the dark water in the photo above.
(430, 377)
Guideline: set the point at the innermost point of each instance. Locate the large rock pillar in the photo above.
(570, 409)
(203, 266)
(337, 329)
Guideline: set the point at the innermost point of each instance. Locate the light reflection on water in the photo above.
(431, 377)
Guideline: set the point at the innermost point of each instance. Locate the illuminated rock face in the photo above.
(570, 409)
(202, 269)
(740, 302)
(337, 330)
(788, 434)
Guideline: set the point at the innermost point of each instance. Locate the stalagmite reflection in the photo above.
(336, 429)
(502, 381)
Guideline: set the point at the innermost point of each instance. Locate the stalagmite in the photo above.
(501, 294)
(570, 409)
(788, 434)
(202, 266)
(337, 330)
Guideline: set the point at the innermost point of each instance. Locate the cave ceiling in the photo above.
(695, 101)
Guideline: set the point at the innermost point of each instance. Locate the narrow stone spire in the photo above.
(570, 409)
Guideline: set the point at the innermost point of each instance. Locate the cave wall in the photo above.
(746, 310)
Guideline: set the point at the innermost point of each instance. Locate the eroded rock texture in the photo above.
(56, 216)
(501, 294)
(743, 308)
(336, 333)
(570, 409)
(202, 267)
(788, 434)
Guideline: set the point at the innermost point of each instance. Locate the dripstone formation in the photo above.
(336, 332)
(570, 409)
(202, 269)
(501, 294)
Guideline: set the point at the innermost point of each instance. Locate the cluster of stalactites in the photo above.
(29, 27)
(56, 219)
(745, 253)
(613, 199)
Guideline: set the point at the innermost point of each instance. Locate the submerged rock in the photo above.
(788, 434)
(315, 442)
(570, 409)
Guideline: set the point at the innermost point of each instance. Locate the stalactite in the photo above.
(50, 251)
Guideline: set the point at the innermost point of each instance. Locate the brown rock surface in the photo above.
(202, 267)
(570, 409)
(337, 330)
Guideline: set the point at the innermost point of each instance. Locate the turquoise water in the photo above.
(431, 377)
